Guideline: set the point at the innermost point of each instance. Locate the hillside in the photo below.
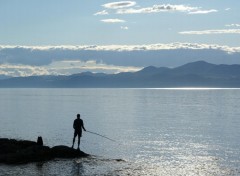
(196, 74)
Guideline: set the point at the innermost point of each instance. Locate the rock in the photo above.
(30, 154)
(12, 145)
(18, 152)
(62, 151)
(39, 141)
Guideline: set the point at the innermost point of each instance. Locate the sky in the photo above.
(65, 37)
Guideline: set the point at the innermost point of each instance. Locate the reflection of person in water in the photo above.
(78, 125)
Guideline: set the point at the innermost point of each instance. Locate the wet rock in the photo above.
(17, 152)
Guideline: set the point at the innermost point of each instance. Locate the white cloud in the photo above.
(93, 65)
(113, 20)
(227, 9)
(165, 8)
(70, 59)
(23, 70)
(124, 27)
(63, 68)
(147, 47)
(104, 12)
(156, 9)
(120, 4)
(203, 11)
(216, 31)
(232, 25)
(67, 67)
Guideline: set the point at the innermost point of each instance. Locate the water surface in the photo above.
(158, 131)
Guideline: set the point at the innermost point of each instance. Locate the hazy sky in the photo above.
(93, 24)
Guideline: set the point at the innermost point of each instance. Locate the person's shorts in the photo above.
(78, 133)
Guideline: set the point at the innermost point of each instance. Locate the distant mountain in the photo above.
(4, 77)
(151, 70)
(195, 74)
(211, 70)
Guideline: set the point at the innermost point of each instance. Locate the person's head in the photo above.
(78, 116)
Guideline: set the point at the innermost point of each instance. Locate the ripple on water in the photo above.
(190, 165)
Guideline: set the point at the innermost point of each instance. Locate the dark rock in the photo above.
(40, 141)
(18, 152)
(62, 151)
(29, 154)
(12, 145)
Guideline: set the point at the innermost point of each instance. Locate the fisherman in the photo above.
(78, 126)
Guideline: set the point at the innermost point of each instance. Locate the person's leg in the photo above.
(78, 141)
(75, 134)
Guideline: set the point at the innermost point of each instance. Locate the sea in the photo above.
(168, 132)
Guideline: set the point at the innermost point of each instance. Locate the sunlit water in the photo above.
(157, 131)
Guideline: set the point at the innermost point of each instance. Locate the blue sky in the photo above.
(105, 24)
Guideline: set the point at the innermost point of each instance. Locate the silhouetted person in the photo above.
(78, 126)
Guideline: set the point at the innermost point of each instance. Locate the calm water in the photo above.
(158, 131)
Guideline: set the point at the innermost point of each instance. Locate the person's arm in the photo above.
(83, 126)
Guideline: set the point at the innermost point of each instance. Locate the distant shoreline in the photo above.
(169, 88)
(200, 75)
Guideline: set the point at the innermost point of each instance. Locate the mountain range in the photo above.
(195, 74)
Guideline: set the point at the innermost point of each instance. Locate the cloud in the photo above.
(120, 4)
(104, 12)
(216, 31)
(63, 68)
(156, 9)
(227, 9)
(165, 8)
(63, 50)
(203, 11)
(232, 25)
(93, 66)
(124, 27)
(70, 59)
(114, 20)
(23, 70)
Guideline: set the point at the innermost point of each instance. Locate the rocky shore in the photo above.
(14, 151)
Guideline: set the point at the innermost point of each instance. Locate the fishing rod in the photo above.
(101, 135)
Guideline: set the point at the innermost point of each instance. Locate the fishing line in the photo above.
(101, 136)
